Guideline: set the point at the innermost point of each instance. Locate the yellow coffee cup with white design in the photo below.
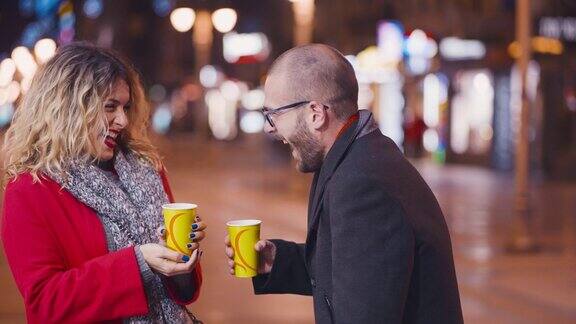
(178, 220)
(244, 234)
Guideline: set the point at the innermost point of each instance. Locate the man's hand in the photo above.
(266, 252)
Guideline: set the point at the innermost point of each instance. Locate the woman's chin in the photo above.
(106, 154)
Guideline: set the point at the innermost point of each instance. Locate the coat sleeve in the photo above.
(289, 274)
(372, 253)
(104, 288)
(178, 295)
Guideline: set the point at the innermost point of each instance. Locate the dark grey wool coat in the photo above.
(378, 248)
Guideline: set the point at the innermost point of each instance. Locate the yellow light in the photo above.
(224, 19)
(25, 85)
(230, 90)
(253, 99)
(203, 35)
(13, 90)
(24, 61)
(3, 96)
(65, 7)
(547, 45)
(7, 69)
(514, 49)
(182, 19)
(44, 49)
(542, 45)
(369, 58)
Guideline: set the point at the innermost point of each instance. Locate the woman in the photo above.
(83, 197)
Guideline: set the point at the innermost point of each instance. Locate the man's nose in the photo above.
(268, 128)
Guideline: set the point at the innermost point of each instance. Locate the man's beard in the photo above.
(308, 148)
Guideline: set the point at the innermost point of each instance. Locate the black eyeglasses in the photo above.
(267, 112)
(270, 111)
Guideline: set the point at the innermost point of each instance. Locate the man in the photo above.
(378, 249)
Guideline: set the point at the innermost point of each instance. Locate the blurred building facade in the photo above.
(444, 88)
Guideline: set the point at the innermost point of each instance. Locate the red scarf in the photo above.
(349, 123)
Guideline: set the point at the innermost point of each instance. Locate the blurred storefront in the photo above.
(458, 100)
(558, 87)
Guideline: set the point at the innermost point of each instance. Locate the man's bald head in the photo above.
(318, 72)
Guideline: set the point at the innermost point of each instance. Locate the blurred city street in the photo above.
(480, 95)
(250, 179)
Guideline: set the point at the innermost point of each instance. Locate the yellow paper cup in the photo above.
(178, 220)
(244, 234)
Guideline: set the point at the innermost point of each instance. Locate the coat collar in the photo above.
(364, 125)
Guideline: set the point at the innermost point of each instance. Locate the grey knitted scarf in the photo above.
(129, 206)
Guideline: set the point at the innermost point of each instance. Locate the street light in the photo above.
(182, 19)
(24, 61)
(522, 239)
(208, 76)
(304, 20)
(224, 19)
(7, 70)
(13, 90)
(44, 49)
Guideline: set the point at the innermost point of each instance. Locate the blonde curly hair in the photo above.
(56, 121)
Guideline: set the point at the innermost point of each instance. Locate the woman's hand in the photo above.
(171, 263)
(197, 234)
(168, 262)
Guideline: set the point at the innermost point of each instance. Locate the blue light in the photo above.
(27, 7)
(93, 8)
(46, 7)
(6, 113)
(36, 30)
(31, 34)
(67, 20)
(162, 7)
(162, 119)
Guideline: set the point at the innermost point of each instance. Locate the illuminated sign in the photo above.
(558, 27)
(453, 48)
(390, 41)
(245, 48)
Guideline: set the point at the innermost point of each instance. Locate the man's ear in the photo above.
(319, 115)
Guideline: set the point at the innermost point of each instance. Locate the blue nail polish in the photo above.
(185, 258)
(194, 226)
(192, 235)
(189, 245)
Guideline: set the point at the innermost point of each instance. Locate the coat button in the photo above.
(313, 282)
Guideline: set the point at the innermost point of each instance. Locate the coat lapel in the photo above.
(331, 163)
(312, 194)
